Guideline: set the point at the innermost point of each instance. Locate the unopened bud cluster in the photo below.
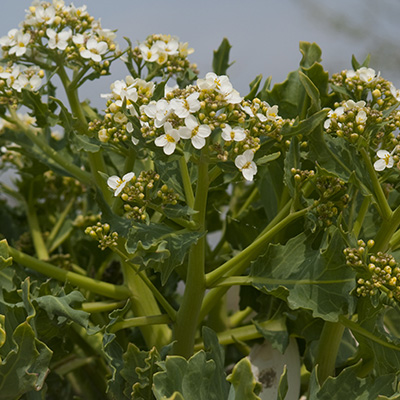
(333, 198)
(101, 233)
(83, 221)
(376, 272)
(300, 176)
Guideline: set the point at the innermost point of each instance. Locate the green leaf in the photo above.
(215, 352)
(348, 385)
(160, 247)
(84, 143)
(356, 65)
(308, 275)
(138, 370)
(283, 385)
(244, 385)
(254, 85)
(5, 260)
(191, 379)
(268, 158)
(221, 58)
(312, 92)
(25, 366)
(61, 307)
(311, 54)
(292, 160)
(279, 339)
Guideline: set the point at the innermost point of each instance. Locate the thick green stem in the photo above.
(188, 314)
(361, 215)
(118, 292)
(235, 265)
(96, 159)
(386, 231)
(328, 347)
(34, 227)
(384, 207)
(142, 275)
(144, 305)
(141, 322)
(187, 185)
(246, 333)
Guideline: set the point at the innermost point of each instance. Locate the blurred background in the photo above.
(264, 35)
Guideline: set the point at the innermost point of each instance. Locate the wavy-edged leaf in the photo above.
(308, 275)
(190, 378)
(26, 366)
(244, 385)
(5, 259)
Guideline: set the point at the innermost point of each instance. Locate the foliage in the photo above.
(124, 230)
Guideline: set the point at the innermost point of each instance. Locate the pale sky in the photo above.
(264, 35)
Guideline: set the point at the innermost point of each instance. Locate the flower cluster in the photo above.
(122, 103)
(101, 232)
(16, 77)
(366, 84)
(70, 32)
(163, 53)
(376, 272)
(210, 113)
(357, 121)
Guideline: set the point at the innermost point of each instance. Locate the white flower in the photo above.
(149, 54)
(183, 107)
(395, 92)
(171, 48)
(361, 117)
(367, 75)
(118, 184)
(45, 15)
(93, 50)
(195, 132)
(246, 164)
(237, 133)
(158, 111)
(222, 85)
(352, 104)
(169, 89)
(333, 114)
(57, 135)
(169, 140)
(385, 160)
(184, 51)
(58, 40)
(21, 41)
(10, 39)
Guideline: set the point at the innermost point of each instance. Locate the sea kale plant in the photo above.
(147, 247)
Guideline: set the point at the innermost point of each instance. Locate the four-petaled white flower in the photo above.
(195, 132)
(10, 39)
(45, 15)
(361, 117)
(58, 40)
(237, 133)
(246, 164)
(94, 50)
(118, 184)
(158, 111)
(183, 107)
(367, 75)
(171, 48)
(169, 140)
(222, 85)
(149, 54)
(21, 41)
(385, 160)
